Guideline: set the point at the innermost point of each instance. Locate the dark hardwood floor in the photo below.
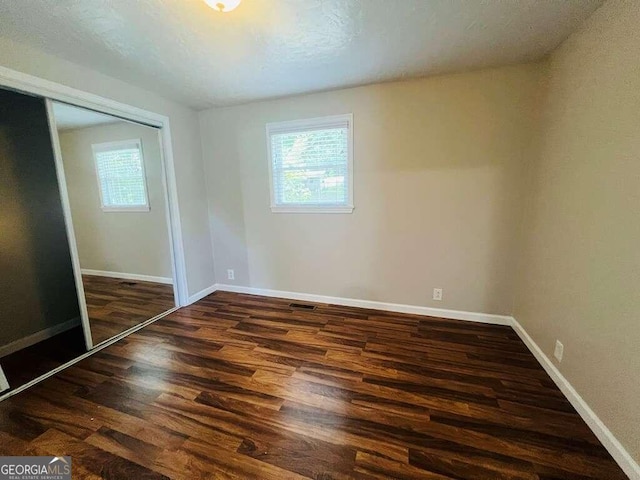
(24, 365)
(115, 305)
(239, 386)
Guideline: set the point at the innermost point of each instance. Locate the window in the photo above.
(311, 165)
(121, 178)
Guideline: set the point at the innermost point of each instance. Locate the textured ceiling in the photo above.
(270, 48)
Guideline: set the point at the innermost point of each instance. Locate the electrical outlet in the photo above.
(437, 294)
(558, 351)
(231, 275)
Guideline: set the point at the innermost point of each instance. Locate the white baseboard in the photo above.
(201, 294)
(388, 307)
(610, 442)
(38, 337)
(128, 276)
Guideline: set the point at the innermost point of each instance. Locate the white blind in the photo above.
(310, 166)
(121, 175)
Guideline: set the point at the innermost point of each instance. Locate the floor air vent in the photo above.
(305, 306)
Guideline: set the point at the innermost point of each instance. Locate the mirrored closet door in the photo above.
(114, 180)
(85, 237)
(40, 315)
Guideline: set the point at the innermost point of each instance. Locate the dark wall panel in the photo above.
(37, 287)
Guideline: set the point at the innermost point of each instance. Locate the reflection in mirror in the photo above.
(40, 325)
(114, 177)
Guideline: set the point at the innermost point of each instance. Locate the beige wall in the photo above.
(441, 169)
(125, 242)
(185, 137)
(580, 276)
(438, 178)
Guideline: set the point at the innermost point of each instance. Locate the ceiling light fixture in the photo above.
(223, 6)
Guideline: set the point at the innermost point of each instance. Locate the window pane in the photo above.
(121, 177)
(311, 167)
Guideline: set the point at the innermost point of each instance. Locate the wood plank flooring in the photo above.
(239, 386)
(115, 305)
(24, 365)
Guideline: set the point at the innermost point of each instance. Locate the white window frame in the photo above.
(318, 123)
(118, 145)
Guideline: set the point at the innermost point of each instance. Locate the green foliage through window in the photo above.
(311, 167)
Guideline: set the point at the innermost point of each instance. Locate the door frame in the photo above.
(52, 91)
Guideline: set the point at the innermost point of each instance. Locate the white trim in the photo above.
(38, 337)
(312, 209)
(609, 441)
(55, 91)
(606, 437)
(335, 121)
(117, 145)
(125, 209)
(372, 304)
(136, 143)
(4, 383)
(95, 349)
(128, 276)
(174, 224)
(68, 222)
(301, 125)
(202, 293)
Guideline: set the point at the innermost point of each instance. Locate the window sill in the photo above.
(309, 209)
(125, 209)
